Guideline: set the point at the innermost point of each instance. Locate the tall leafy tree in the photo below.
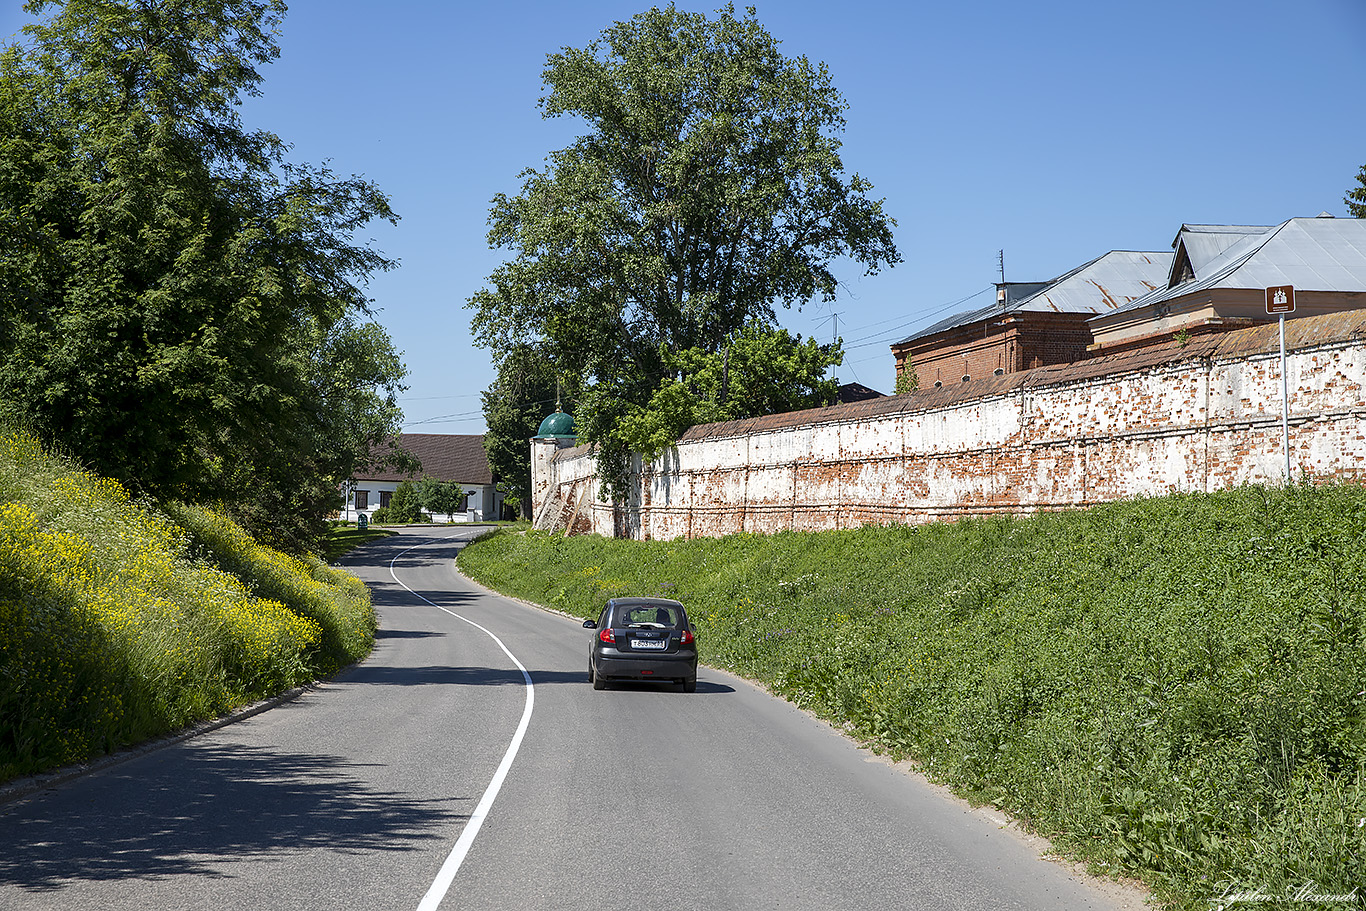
(1356, 197)
(519, 398)
(183, 308)
(707, 192)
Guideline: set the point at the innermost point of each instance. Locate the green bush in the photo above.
(1171, 687)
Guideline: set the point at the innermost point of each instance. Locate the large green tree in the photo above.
(707, 192)
(183, 308)
(520, 397)
(1356, 197)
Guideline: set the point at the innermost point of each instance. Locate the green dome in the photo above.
(558, 425)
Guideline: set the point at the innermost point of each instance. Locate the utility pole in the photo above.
(834, 337)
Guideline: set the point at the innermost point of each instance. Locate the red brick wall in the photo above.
(1019, 341)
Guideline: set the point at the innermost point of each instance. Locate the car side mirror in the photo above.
(590, 624)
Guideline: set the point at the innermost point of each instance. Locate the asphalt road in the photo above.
(377, 790)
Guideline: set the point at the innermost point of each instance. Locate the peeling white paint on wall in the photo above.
(1200, 423)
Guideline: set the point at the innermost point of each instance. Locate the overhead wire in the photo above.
(873, 339)
(861, 342)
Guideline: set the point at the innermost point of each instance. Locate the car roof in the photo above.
(644, 602)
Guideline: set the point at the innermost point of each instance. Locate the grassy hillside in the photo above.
(1172, 688)
(119, 623)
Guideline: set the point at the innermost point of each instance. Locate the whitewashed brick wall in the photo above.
(1189, 419)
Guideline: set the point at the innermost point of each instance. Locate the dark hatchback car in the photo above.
(642, 639)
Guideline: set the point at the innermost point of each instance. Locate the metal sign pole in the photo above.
(1280, 300)
(1285, 405)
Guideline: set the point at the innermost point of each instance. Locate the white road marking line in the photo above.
(432, 900)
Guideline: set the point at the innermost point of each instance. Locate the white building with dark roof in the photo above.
(444, 456)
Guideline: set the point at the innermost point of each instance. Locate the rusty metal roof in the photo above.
(1100, 286)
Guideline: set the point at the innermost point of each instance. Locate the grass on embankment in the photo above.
(118, 623)
(1171, 688)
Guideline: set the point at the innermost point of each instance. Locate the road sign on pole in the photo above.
(1280, 299)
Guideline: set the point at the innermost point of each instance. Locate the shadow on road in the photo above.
(454, 676)
(388, 594)
(631, 686)
(215, 804)
(408, 634)
(403, 550)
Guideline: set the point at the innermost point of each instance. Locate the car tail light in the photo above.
(687, 637)
(605, 635)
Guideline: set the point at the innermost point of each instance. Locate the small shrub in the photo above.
(405, 507)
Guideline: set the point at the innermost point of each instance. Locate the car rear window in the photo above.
(650, 615)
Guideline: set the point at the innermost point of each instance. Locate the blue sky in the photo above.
(1054, 130)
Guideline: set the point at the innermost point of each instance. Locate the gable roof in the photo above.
(1196, 246)
(1105, 283)
(444, 456)
(1313, 254)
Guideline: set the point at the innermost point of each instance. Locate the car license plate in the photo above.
(649, 643)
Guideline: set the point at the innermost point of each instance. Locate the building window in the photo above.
(362, 499)
(385, 497)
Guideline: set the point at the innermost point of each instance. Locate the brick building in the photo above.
(1031, 324)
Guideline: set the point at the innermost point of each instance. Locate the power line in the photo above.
(459, 416)
(432, 398)
(446, 418)
(873, 339)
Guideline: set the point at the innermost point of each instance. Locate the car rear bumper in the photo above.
(667, 667)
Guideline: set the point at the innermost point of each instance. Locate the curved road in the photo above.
(356, 794)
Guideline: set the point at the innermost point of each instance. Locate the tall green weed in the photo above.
(335, 600)
(1170, 687)
(113, 630)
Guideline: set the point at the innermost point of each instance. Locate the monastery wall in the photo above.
(1198, 417)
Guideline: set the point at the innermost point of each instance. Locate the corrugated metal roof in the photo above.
(1103, 284)
(1204, 243)
(1313, 254)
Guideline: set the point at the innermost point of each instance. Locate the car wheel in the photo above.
(690, 685)
(598, 682)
